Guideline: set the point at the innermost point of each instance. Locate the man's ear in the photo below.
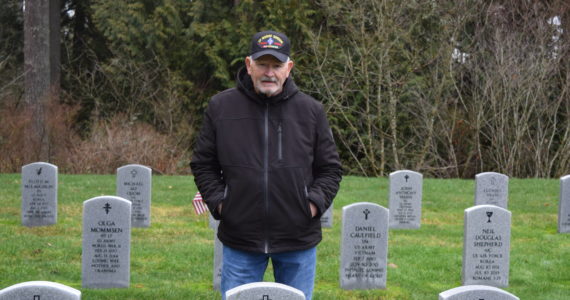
(248, 64)
(290, 65)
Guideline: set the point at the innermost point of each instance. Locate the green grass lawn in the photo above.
(173, 258)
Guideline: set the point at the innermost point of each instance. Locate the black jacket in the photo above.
(265, 158)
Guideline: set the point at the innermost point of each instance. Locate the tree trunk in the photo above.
(42, 73)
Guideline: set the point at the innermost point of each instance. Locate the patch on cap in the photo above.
(270, 41)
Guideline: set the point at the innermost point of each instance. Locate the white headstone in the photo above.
(39, 290)
(564, 205)
(213, 223)
(264, 291)
(364, 246)
(106, 242)
(218, 259)
(39, 194)
(134, 183)
(486, 246)
(405, 199)
(327, 217)
(476, 292)
(492, 188)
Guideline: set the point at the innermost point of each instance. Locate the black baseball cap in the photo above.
(270, 43)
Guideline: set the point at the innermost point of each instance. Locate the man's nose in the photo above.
(269, 71)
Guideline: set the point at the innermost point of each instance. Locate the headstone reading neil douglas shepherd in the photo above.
(486, 246)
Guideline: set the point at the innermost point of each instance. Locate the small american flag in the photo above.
(199, 205)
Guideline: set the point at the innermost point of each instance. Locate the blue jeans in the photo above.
(295, 269)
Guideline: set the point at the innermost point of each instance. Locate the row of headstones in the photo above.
(40, 186)
(364, 246)
(486, 251)
(364, 250)
(365, 236)
(134, 183)
(106, 246)
(39, 195)
(46, 290)
(276, 291)
(107, 220)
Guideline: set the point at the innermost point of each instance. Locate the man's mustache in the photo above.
(271, 79)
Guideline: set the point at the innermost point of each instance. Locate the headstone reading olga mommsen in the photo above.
(564, 205)
(134, 183)
(492, 188)
(486, 246)
(476, 292)
(39, 194)
(364, 246)
(106, 242)
(264, 291)
(39, 290)
(405, 199)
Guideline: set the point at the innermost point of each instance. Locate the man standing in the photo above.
(267, 167)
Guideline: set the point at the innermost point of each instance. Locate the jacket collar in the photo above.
(245, 85)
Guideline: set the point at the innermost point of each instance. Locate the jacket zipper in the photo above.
(266, 176)
(279, 142)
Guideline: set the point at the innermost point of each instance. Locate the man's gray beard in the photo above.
(268, 93)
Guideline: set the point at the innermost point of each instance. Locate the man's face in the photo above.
(268, 74)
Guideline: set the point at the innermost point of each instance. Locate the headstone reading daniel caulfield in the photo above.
(106, 242)
(134, 183)
(364, 246)
(39, 194)
(486, 246)
(405, 199)
(39, 290)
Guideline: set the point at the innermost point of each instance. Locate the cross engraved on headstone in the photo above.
(366, 212)
(134, 173)
(107, 208)
(493, 181)
(489, 214)
(407, 177)
(37, 297)
(265, 297)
